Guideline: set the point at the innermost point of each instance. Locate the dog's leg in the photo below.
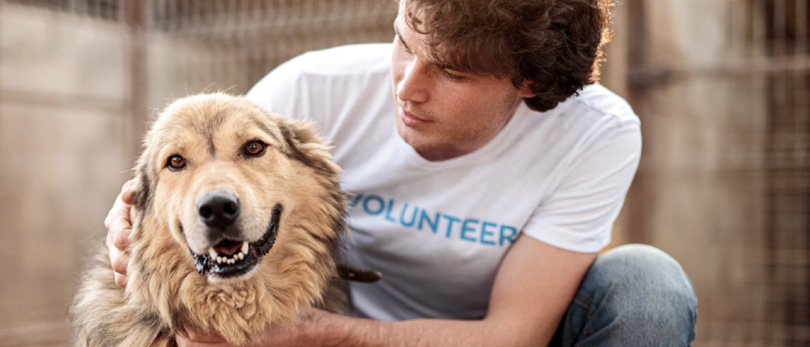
(101, 316)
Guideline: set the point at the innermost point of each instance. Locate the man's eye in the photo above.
(452, 76)
(401, 43)
(254, 148)
(176, 163)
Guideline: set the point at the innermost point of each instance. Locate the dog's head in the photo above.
(231, 194)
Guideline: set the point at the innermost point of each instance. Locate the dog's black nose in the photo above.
(218, 209)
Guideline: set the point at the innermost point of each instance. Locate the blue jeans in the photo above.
(633, 295)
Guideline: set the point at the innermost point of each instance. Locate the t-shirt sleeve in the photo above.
(579, 214)
(281, 91)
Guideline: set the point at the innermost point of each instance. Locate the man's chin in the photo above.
(414, 138)
(432, 152)
(427, 146)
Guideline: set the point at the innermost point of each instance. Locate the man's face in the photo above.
(441, 112)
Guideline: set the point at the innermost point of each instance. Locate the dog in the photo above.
(237, 221)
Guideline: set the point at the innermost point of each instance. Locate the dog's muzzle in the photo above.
(231, 258)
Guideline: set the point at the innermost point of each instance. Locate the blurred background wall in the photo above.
(721, 87)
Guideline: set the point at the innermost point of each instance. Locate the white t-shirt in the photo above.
(437, 231)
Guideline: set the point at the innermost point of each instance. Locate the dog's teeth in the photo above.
(245, 246)
(219, 260)
(231, 261)
(241, 256)
(212, 253)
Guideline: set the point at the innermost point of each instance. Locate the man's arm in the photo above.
(533, 288)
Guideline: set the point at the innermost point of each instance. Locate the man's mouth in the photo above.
(410, 119)
(233, 258)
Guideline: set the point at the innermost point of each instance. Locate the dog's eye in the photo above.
(175, 163)
(254, 148)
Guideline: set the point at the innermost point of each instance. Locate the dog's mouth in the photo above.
(234, 258)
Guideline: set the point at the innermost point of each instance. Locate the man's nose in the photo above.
(415, 81)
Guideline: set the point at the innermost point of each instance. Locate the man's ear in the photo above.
(524, 91)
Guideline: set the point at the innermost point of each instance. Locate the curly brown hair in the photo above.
(554, 46)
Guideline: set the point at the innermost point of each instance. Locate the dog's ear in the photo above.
(306, 146)
(142, 198)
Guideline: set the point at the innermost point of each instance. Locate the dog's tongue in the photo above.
(227, 247)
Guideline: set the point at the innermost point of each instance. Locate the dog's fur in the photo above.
(293, 186)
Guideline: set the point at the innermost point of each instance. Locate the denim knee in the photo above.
(637, 295)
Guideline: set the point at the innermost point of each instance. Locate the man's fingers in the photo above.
(119, 261)
(122, 202)
(119, 233)
(120, 280)
(129, 184)
(191, 338)
(127, 191)
(119, 226)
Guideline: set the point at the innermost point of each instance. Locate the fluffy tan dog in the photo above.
(236, 223)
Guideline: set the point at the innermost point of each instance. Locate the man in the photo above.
(483, 189)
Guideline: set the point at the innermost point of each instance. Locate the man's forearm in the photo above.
(336, 330)
(533, 289)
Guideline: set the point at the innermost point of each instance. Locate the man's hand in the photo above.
(118, 226)
(304, 331)
(195, 339)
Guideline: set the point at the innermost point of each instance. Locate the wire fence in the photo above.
(724, 183)
(240, 41)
